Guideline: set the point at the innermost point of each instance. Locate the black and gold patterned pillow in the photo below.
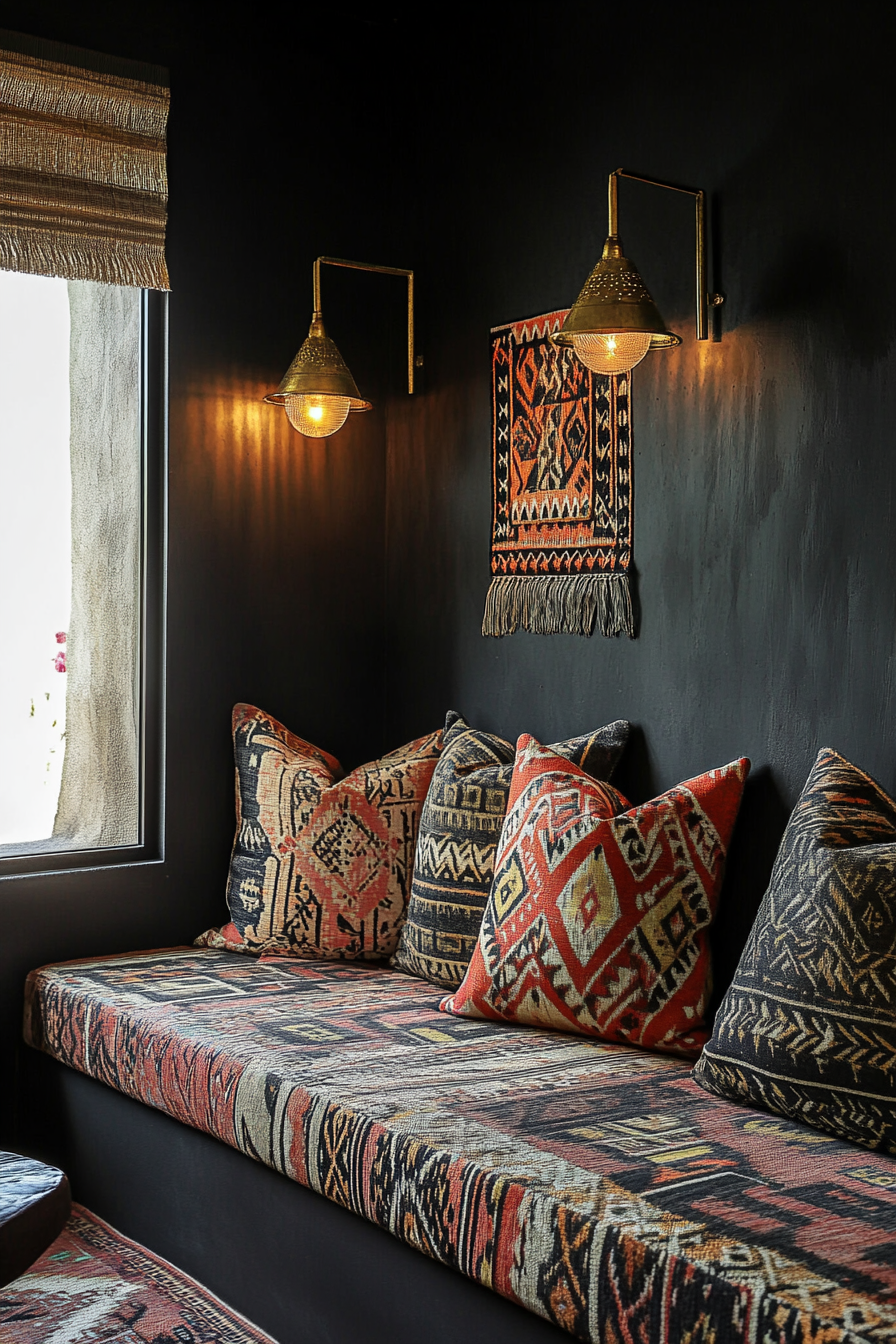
(459, 832)
(808, 1027)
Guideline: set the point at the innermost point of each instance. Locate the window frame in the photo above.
(150, 848)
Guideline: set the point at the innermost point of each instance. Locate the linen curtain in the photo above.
(99, 797)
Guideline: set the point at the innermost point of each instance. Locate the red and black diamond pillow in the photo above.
(599, 912)
(808, 1026)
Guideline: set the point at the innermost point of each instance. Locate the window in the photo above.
(82, 440)
(74, 525)
(35, 551)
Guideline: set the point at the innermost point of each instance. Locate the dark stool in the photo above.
(35, 1202)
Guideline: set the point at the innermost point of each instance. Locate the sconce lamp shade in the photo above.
(614, 321)
(317, 390)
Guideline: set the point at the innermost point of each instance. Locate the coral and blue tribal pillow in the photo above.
(808, 1026)
(322, 862)
(459, 832)
(599, 912)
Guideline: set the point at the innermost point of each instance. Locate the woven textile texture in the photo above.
(808, 1026)
(459, 831)
(562, 489)
(321, 863)
(595, 1184)
(83, 185)
(93, 1284)
(599, 912)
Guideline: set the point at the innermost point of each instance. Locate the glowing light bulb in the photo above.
(317, 416)
(613, 351)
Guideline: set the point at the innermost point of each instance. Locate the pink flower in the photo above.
(59, 662)
(60, 636)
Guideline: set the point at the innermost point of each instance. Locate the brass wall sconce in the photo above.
(317, 390)
(614, 321)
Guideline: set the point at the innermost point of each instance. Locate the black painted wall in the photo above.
(276, 574)
(764, 463)
(341, 585)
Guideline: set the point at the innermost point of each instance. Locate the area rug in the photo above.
(95, 1285)
(562, 489)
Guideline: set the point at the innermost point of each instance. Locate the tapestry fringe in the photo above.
(552, 604)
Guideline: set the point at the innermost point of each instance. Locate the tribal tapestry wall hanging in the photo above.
(562, 489)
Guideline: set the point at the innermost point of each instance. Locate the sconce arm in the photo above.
(383, 270)
(704, 299)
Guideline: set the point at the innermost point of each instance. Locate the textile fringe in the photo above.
(108, 261)
(83, 183)
(552, 604)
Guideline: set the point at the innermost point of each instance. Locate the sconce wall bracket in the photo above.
(704, 299)
(615, 304)
(318, 370)
(380, 270)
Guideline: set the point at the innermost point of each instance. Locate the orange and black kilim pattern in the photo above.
(595, 1184)
(808, 1027)
(561, 458)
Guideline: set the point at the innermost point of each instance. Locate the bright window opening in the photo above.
(35, 550)
(71, 538)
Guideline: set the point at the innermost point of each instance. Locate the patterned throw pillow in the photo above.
(599, 912)
(459, 832)
(808, 1027)
(321, 864)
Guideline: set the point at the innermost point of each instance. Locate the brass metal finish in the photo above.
(319, 369)
(703, 298)
(381, 270)
(615, 298)
(613, 203)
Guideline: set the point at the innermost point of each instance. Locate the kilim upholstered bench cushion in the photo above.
(808, 1027)
(595, 1184)
(321, 863)
(599, 914)
(459, 832)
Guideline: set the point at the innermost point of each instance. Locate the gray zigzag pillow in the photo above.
(458, 838)
(808, 1027)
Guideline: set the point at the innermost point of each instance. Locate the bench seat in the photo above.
(596, 1185)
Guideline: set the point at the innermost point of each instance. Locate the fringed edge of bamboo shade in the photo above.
(73, 257)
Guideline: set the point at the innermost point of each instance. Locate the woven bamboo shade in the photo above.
(83, 184)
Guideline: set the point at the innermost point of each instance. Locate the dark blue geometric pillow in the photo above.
(808, 1027)
(458, 840)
